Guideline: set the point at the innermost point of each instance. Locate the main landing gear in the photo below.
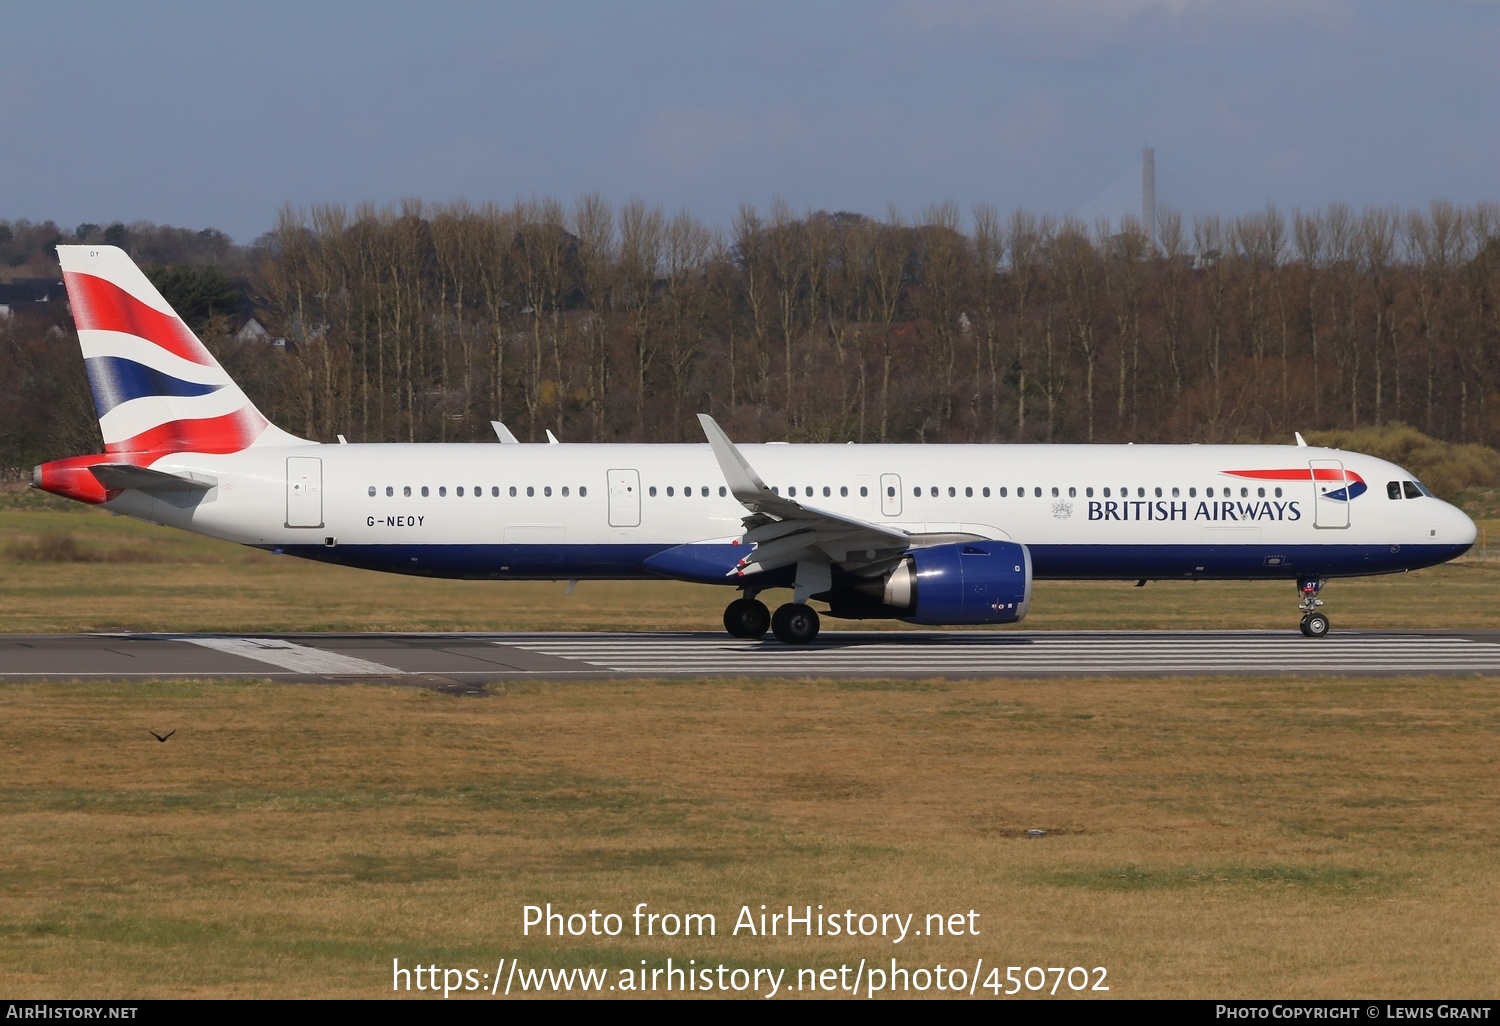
(747, 618)
(1314, 623)
(795, 623)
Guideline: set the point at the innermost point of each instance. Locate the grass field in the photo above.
(1216, 837)
(1206, 837)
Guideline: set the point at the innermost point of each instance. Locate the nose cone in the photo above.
(1463, 532)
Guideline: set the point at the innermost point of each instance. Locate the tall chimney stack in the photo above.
(1148, 193)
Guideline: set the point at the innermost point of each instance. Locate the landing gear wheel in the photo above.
(1315, 625)
(747, 618)
(795, 623)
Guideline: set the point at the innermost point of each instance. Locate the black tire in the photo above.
(795, 623)
(1315, 625)
(747, 618)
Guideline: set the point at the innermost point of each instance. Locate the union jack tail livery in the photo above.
(157, 390)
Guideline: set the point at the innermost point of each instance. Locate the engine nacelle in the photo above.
(961, 583)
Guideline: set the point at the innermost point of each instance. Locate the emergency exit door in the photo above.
(304, 491)
(624, 498)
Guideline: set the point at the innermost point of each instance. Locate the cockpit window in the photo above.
(1393, 489)
(1413, 490)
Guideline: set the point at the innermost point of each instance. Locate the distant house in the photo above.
(254, 331)
(33, 295)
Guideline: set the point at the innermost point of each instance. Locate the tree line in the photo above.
(603, 323)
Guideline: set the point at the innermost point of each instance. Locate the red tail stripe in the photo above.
(102, 305)
(229, 433)
(1299, 474)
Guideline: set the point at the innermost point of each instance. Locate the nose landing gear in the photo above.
(1314, 623)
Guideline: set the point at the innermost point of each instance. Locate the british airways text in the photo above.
(1160, 509)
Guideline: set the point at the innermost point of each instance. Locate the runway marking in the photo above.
(1010, 653)
(297, 658)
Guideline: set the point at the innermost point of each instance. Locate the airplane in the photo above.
(928, 534)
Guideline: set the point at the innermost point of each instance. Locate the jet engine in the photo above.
(960, 583)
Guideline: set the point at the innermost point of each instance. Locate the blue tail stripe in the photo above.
(116, 380)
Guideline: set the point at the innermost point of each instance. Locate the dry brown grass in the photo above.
(1207, 837)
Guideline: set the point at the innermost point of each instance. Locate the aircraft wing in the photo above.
(785, 532)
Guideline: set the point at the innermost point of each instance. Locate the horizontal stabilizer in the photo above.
(121, 476)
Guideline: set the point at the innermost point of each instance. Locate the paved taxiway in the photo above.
(460, 661)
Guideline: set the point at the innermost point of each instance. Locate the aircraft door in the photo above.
(1330, 494)
(624, 498)
(890, 494)
(304, 491)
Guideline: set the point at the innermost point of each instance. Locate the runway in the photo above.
(462, 662)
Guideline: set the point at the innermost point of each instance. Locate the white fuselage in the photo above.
(504, 511)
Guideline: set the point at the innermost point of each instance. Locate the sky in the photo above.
(221, 115)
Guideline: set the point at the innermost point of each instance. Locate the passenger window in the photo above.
(1140, 493)
(652, 491)
(1192, 493)
(443, 490)
(968, 493)
(1088, 493)
(723, 491)
(530, 491)
(952, 492)
(1002, 491)
(494, 491)
(389, 491)
(705, 491)
(986, 491)
(1244, 492)
(406, 490)
(864, 491)
(372, 491)
(512, 491)
(424, 491)
(843, 491)
(459, 491)
(1054, 491)
(1106, 492)
(1278, 491)
(1158, 492)
(791, 491)
(583, 491)
(1412, 491)
(776, 489)
(1260, 493)
(916, 493)
(565, 491)
(934, 491)
(827, 492)
(1175, 493)
(547, 491)
(1037, 492)
(670, 492)
(1072, 493)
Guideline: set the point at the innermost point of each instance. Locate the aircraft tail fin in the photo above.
(156, 388)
